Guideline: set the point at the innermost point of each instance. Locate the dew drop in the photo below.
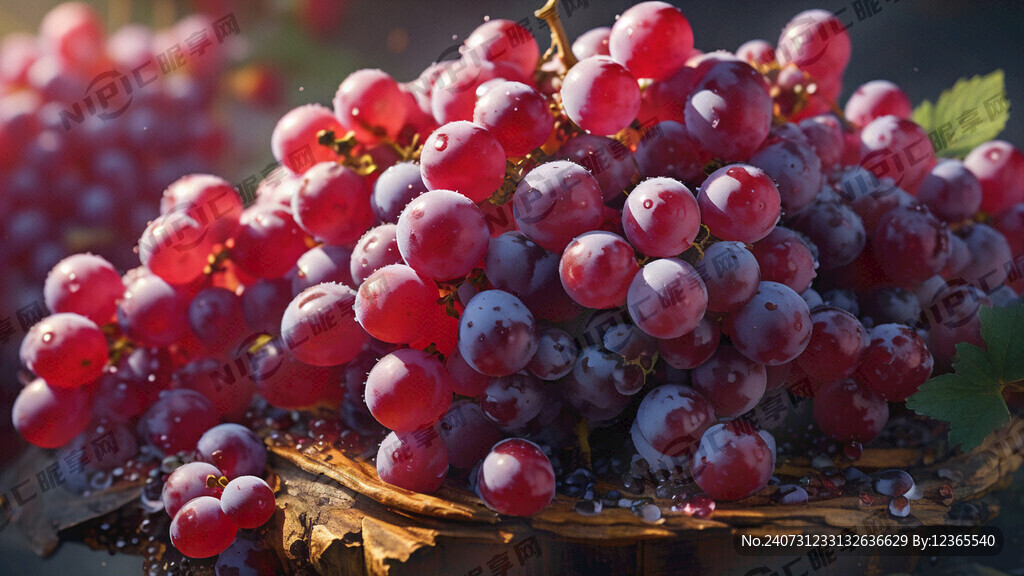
(441, 142)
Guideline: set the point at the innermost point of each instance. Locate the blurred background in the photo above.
(94, 186)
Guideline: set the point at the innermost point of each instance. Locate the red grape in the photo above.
(324, 263)
(898, 149)
(497, 334)
(201, 529)
(84, 284)
(596, 269)
(849, 412)
(593, 42)
(519, 266)
(731, 275)
(269, 241)
(434, 223)
(773, 328)
(739, 202)
(464, 157)
(294, 141)
(876, 99)
(234, 449)
(652, 40)
(733, 461)
(817, 42)
(320, 328)
(693, 348)
(895, 363)
(516, 478)
(785, 257)
(248, 501)
(911, 245)
(468, 434)
(667, 298)
(176, 421)
(370, 103)
(600, 95)
(392, 301)
(672, 419)
(730, 382)
(500, 40)
(608, 160)
(999, 166)
(730, 111)
(395, 188)
(661, 217)
(838, 341)
(516, 115)
(557, 202)
(376, 249)
(416, 461)
(188, 482)
(332, 204)
(50, 417)
(408, 389)
(555, 356)
(66, 350)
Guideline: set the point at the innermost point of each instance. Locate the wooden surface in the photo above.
(336, 517)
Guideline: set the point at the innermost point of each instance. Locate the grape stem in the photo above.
(559, 40)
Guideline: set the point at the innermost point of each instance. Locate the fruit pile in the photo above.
(515, 252)
(92, 128)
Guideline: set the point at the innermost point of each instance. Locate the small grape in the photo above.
(516, 478)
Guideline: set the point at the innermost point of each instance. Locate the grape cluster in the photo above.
(210, 499)
(512, 252)
(92, 127)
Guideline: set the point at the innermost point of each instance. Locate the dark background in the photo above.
(922, 46)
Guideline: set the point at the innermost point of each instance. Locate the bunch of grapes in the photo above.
(92, 127)
(630, 235)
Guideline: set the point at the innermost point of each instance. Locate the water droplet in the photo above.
(853, 450)
(589, 507)
(792, 495)
(893, 483)
(899, 507)
(441, 142)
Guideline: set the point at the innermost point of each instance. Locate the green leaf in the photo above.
(973, 111)
(1000, 329)
(971, 398)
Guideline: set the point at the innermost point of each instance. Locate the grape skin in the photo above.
(248, 501)
(66, 350)
(600, 95)
(497, 334)
(200, 529)
(773, 328)
(516, 478)
(667, 298)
